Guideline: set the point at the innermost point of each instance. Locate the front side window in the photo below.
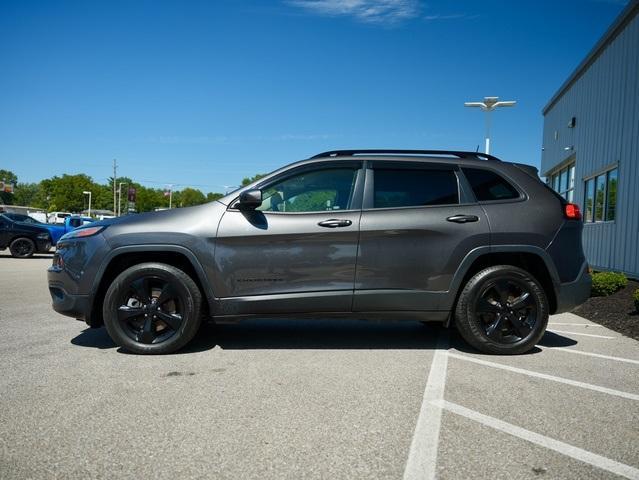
(414, 187)
(311, 191)
(487, 185)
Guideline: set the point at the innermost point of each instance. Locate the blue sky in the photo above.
(203, 93)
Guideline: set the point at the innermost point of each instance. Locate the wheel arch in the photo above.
(532, 259)
(122, 258)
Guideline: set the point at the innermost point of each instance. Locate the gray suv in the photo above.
(460, 238)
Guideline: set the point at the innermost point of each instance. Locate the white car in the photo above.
(57, 217)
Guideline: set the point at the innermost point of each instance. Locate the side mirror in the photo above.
(250, 199)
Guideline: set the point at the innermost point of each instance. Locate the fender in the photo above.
(197, 266)
(474, 254)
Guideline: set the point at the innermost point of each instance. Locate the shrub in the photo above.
(635, 296)
(607, 283)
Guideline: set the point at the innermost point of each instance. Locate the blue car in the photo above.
(56, 231)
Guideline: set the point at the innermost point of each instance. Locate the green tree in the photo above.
(211, 196)
(26, 194)
(248, 180)
(191, 196)
(65, 193)
(7, 176)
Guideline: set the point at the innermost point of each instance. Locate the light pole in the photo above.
(120, 197)
(89, 194)
(170, 195)
(488, 105)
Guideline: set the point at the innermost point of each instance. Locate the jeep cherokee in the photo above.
(461, 238)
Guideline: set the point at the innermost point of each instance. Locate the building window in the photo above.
(563, 182)
(600, 198)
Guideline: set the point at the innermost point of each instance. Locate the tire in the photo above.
(487, 314)
(152, 308)
(22, 247)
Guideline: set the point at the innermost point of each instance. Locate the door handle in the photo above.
(334, 223)
(463, 218)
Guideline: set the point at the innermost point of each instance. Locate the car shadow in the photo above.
(94, 338)
(269, 334)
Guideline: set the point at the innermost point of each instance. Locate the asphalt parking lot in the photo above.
(308, 399)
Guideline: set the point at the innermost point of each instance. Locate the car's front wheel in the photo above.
(22, 247)
(502, 310)
(152, 308)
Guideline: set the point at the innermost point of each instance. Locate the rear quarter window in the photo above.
(488, 185)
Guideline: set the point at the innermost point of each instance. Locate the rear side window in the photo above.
(414, 188)
(487, 185)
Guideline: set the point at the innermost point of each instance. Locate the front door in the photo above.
(417, 226)
(297, 251)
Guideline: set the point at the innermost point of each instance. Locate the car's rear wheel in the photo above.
(152, 308)
(502, 310)
(22, 247)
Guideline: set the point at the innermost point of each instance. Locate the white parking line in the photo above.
(590, 354)
(530, 373)
(594, 325)
(422, 457)
(578, 333)
(577, 453)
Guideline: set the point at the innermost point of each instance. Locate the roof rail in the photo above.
(451, 153)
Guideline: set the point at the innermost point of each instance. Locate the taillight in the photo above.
(572, 212)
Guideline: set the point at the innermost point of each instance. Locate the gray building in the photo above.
(591, 145)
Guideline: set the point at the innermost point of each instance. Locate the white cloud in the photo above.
(382, 12)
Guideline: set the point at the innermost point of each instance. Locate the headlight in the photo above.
(82, 232)
(43, 236)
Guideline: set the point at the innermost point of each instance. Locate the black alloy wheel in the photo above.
(22, 247)
(507, 310)
(502, 310)
(152, 308)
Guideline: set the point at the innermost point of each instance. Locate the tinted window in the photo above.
(17, 217)
(414, 188)
(487, 185)
(311, 191)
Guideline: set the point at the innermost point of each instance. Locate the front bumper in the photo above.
(72, 277)
(572, 294)
(76, 306)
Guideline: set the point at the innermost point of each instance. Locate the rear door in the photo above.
(417, 226)
(297, 252)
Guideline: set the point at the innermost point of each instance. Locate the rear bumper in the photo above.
(572, 294)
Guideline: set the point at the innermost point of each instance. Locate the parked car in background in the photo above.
(454, 237)
(56, 231)
(57, 217)
(23, 239)
(39, 216)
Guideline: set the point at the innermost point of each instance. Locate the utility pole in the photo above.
(115, 179)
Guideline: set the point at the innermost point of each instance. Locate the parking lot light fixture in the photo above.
(89, 194)
(488, 105)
